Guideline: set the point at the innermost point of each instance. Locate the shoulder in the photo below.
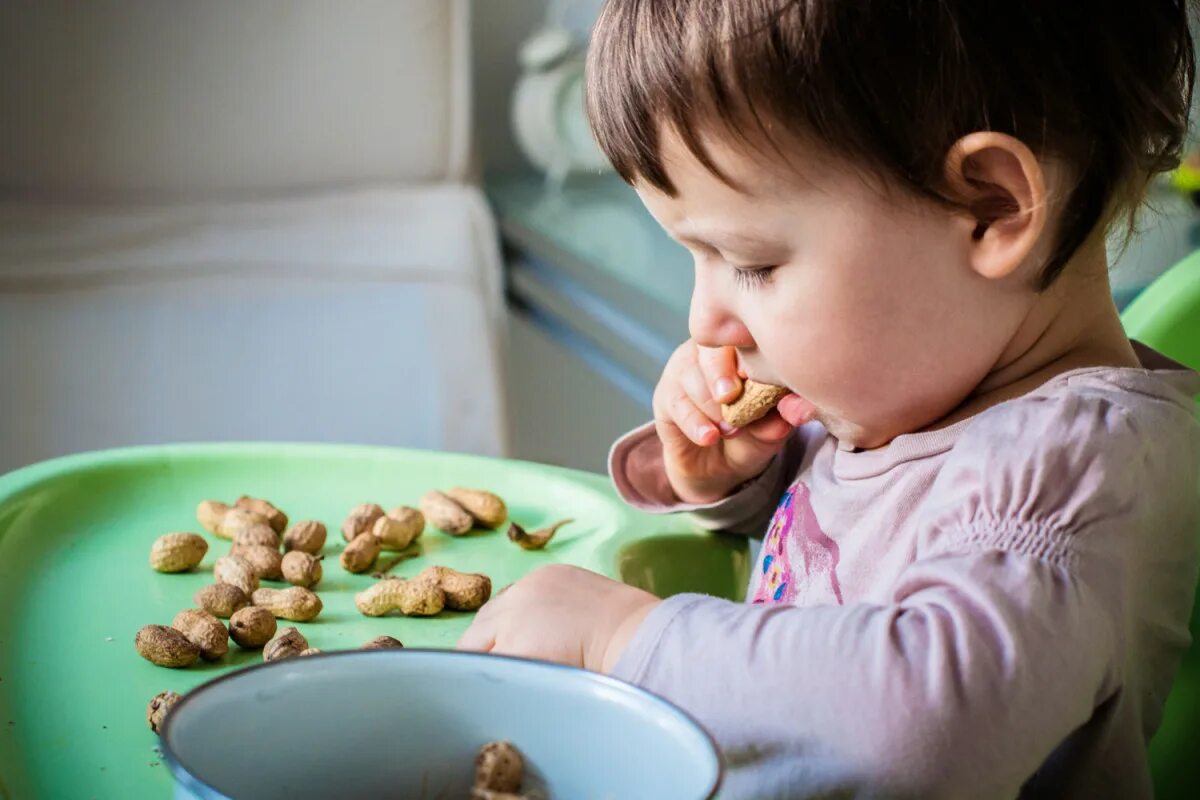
(1092, 451)
(1085, 418)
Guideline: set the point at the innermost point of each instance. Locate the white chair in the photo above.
(242, 220)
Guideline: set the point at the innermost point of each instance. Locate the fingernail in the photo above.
(722, 387)
(702, 431)
(725, 428)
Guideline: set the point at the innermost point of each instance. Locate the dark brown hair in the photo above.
(891, 84)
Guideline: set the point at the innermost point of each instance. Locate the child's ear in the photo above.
(1000, 183)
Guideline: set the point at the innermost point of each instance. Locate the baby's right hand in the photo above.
(704, 457)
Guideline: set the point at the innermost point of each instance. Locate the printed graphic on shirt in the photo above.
(798, 562)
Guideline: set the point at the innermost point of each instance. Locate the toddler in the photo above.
(978, 500)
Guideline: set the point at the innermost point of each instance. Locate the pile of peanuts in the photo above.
(264, 548)
(236, 606)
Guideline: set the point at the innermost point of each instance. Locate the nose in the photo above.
(712, 321)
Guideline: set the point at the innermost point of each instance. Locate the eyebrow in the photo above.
(721, 240)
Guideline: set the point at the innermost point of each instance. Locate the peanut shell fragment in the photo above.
(158, 708)
(537, 539)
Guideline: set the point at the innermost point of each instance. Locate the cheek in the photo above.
(876, 329)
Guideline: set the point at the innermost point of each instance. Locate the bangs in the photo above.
(690, 67)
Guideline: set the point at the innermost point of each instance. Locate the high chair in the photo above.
(243, 221)
(1166, 316)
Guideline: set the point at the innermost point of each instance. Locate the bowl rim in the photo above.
(199, 788)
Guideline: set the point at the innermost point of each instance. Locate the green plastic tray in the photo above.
(75, 584)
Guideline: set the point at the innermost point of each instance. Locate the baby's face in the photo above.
(869, 308)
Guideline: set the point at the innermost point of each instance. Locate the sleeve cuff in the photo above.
(635, 464)
(631, 667)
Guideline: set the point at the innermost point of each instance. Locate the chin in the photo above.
(853, 435)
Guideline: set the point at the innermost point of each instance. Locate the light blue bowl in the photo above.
(408, 723)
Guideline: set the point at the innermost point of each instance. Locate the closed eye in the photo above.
(752, 277)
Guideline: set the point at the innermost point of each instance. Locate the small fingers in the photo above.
(700, 393)
(691, 421)
(480, 637)
(771, 429)
(720, 369)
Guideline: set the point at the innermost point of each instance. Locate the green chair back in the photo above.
(1166, 316)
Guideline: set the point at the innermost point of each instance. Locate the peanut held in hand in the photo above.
(704, 456)
(755, 402)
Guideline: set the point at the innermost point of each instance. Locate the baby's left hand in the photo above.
(564, 614)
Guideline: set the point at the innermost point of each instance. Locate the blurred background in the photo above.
(376, 221)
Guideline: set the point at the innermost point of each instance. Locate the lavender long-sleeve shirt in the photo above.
(995, 609)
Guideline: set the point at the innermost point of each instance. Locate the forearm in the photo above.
(962, 687)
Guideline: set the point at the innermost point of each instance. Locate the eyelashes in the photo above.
(752, 277)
